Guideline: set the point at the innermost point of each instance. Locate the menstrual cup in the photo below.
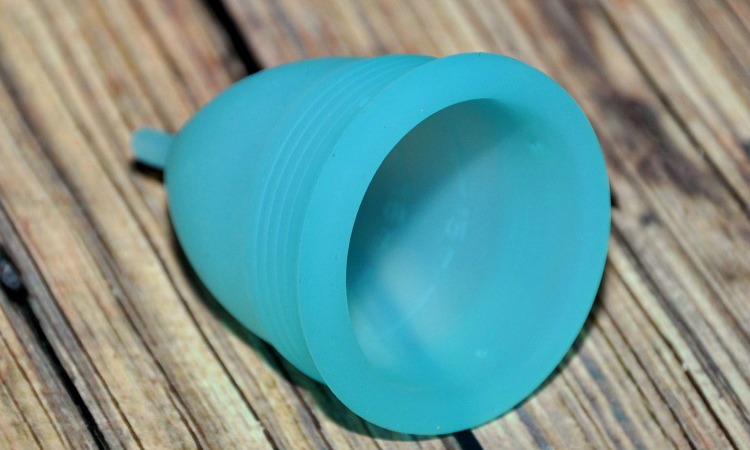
(425, 236)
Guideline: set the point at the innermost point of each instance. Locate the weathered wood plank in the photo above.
(37, 410)
(151, 369)
(686, 229)
(138, 402)
(695, 54)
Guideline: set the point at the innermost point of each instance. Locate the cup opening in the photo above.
(464, 246)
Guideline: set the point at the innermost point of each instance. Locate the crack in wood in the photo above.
(11, 281)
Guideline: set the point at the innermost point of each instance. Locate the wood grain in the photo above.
(664, 360)
(38, 410)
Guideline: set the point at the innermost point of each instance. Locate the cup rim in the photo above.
(323, 305)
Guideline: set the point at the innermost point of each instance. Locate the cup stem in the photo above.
(151, 147)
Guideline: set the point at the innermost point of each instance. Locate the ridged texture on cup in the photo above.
(254, 274)
(310, 139)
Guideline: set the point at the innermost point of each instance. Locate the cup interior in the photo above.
(465, 247)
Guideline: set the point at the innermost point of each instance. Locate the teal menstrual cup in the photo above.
(423, 235)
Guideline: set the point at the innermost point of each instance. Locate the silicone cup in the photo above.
(425, 236)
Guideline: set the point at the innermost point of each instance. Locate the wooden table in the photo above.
(112, 343)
